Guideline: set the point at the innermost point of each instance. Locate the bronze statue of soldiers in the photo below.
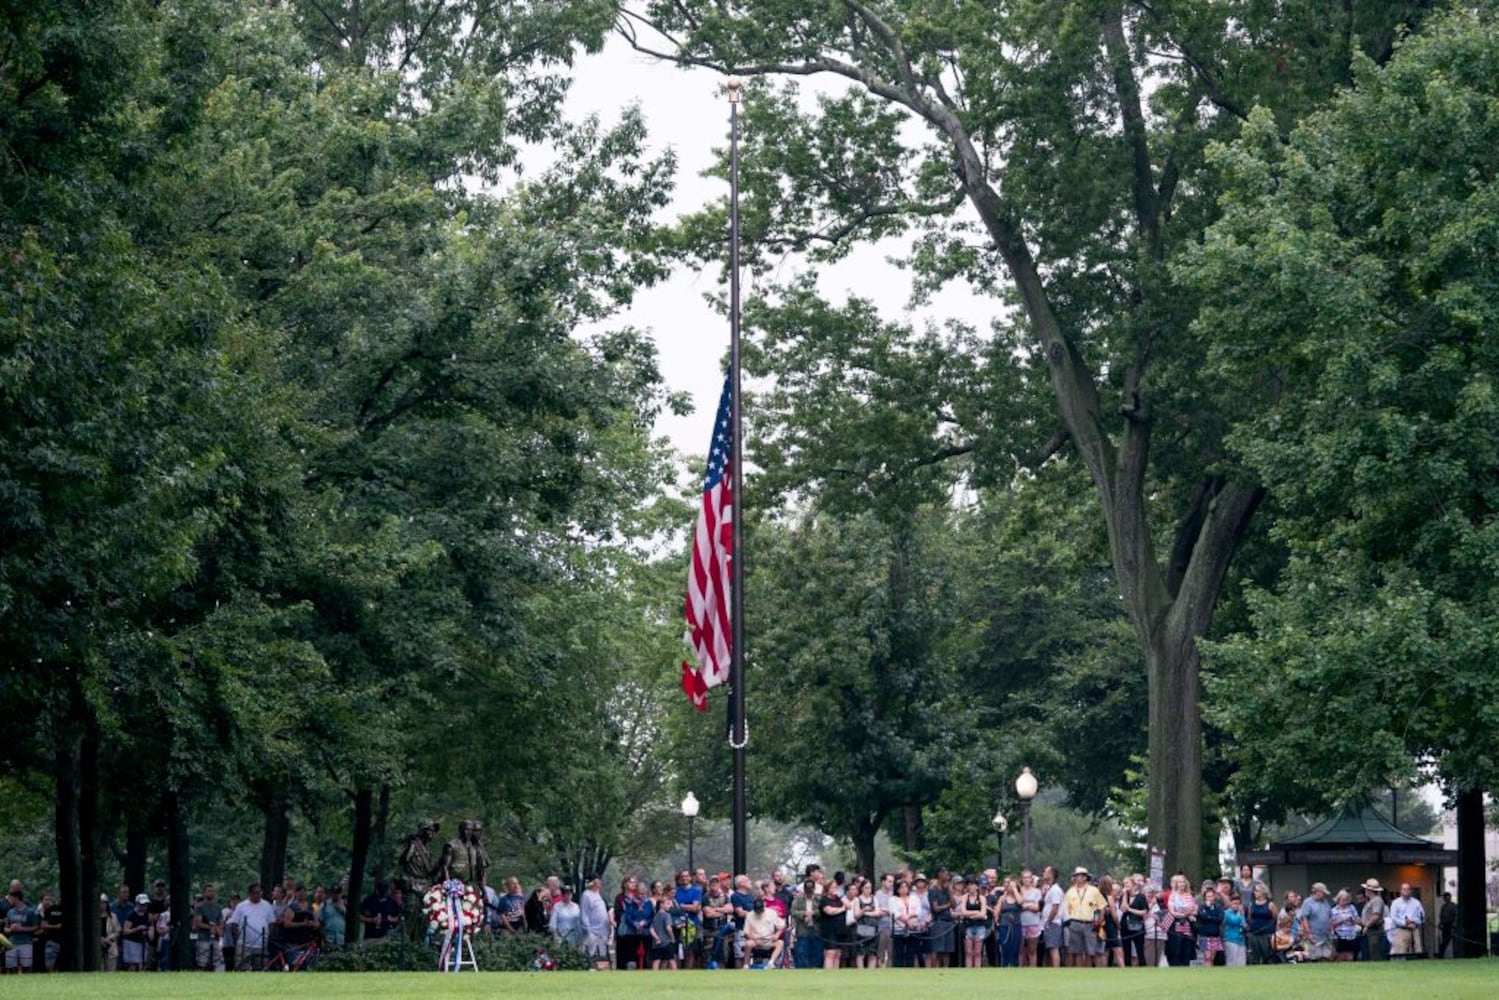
(416, 861)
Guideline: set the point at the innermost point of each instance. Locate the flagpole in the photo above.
(738, 734)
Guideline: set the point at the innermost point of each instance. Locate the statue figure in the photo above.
(415, 860)
(480, 855)
(458, 856)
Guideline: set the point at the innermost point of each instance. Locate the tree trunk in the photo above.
(1472, 872)
(1175, 755)
(379, 839)
(359, 851)
(179, 881)
(69, 852)
(862, 836)
(913, 835)
(277, 808)
(136, 844)
(90, 846)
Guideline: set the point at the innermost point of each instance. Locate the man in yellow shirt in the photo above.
(1082, 912)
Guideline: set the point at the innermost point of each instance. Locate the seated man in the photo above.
(762, 935)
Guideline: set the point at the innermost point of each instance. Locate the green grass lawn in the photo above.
(1386, 980)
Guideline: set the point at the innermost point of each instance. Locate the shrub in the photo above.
(506, 954)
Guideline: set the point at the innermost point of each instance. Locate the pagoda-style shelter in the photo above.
(1345, 851)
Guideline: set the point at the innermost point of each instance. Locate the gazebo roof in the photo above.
(1355, 826)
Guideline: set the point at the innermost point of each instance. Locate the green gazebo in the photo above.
(1345, 851)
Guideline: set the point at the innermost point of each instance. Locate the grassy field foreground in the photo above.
(1389, 980)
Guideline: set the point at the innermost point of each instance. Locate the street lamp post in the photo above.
(689, 809)
(1001, 825)
(1025, 788)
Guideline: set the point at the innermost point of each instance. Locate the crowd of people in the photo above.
(698, 920)
(136, 929)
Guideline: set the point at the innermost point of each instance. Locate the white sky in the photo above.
(686, 110)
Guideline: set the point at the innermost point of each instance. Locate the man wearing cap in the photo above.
(1081, 907)
(762, 935)
(1406, 917)
(597, 922)
(1373, 921)
(1316, 924)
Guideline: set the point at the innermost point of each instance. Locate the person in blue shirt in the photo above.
(690, 902)
(21, 923)
(742, 899)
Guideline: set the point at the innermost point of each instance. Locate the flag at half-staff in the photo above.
(710, 577)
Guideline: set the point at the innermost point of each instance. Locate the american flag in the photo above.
(709, 581)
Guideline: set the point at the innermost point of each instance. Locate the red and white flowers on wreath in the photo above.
(439, 911)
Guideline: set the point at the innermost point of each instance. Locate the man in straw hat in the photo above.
(1082, 909)
(1373, 921)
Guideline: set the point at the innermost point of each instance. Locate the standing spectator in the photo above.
(1234, 940)
(663, 932)
(1316, 929)
(566, 920)
(252, 919)
(160, 909)
(741, 901)
(1260, 920)
(123, 903)
(1132, 920)
(136, 935)
(536, 909)
(1210, 927)
(1032, 919)
(1288, 927)
(21, 925)
(1407, 917)
(1246, 883)
(1374, 921)
(717, 923)
(300, 926)
(594, 917)
(109, 936)
(1083, 907)
(208, 928)
(690, 902)
(1446, 923)
(974, 915)
(868, 928)
(632, 918)
(49, 931)
(883, 896)
(807, 947)
(334, 916)
(1156, 922)
(940, 900)
(921, 941)
(1181, 911)
(229, 944)
(1051, 916)
(905, 925)
(830, 924)
(1344, 926)
(1112, 911)
(379, 913)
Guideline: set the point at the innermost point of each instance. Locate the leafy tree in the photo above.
(1357, 255)
(1060, 156)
